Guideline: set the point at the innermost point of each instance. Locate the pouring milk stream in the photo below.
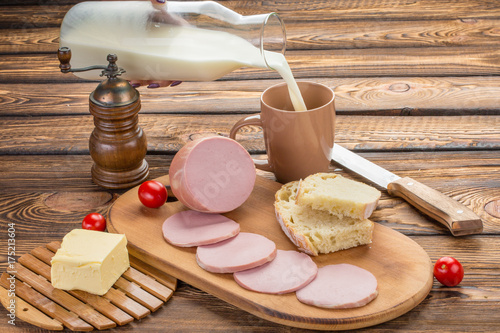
(153, 45)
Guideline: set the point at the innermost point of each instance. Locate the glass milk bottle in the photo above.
(185, 41)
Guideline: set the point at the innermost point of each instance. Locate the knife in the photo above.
(451, 213)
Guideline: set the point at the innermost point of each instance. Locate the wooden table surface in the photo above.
(418, 92)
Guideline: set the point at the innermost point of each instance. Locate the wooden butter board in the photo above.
(402, 268)
(142, 289)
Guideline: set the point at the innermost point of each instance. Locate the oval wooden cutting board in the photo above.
(402, 268)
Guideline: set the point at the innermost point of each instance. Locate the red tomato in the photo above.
(152, 194)
(94, 221)
(448, 271)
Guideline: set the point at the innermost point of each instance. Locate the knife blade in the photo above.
(458, 218)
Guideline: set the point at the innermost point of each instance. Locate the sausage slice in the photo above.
(192, 228)
(289, 271)
(245, 251)
(340, 286)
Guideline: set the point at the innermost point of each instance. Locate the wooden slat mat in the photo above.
(141, 290)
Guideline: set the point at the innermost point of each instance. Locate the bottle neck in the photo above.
(273, 37)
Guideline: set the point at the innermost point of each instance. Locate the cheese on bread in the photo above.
(318, 231)
(338, 195)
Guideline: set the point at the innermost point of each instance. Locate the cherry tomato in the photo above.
(448, 271)
(94, 221)
(152, 194)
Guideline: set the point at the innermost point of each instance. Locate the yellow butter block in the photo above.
(89, 260)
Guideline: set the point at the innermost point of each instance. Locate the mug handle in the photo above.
(253, 120)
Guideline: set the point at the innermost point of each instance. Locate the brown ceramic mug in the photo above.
(298, 143)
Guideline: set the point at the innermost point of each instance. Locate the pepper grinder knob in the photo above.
(64, 55)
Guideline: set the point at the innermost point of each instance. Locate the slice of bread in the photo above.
(338, 195)
(318, 231)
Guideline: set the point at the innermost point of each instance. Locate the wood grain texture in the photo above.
(134, 293)
(449, 61)
(105, 307)
(28, 313)
(39, 16)
(401, 285)
(166, 134)
(331, 10)
(118, 297)
(479, 286)
(493, 208)
(47, 306)
(390, 96)
(385, 33)
(465, 176)
(418, 92)
(339, 10)
(458, 218)
(139, 274)
(315, 35)
(71, 303)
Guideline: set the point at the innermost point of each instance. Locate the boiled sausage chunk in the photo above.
(340, 286)
(192, 228)
(289, 271)
(245, 251)
(212, 175)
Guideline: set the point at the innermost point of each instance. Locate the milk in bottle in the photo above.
(177, 44)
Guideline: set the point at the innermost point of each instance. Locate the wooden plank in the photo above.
(64, 299)
(36, 2)
(153, 300)
(165, 279)
(44, 304)
(316, 35)
(401, 62)
(115, 296)
(139, 295)
(35, 265)
(164, 261)
(392, 96)
(130, 306)
(53, 246)
(473, 301)
(392, 212)
(30, 40)
(469, 177)
(415, 32)
(155, 288)
(449, 61)
(99, 303)
(340, 10)
(69, 135)
(132, 290)
(129, 287)
(71, 172)
(28, 313)
(28, 17)
(454, 167)
(147, 283)
(326, 10)
(257, 215)
(43, 254)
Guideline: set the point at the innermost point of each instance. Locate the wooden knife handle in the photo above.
(457, 217)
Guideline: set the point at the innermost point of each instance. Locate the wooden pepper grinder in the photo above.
(117, 145)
